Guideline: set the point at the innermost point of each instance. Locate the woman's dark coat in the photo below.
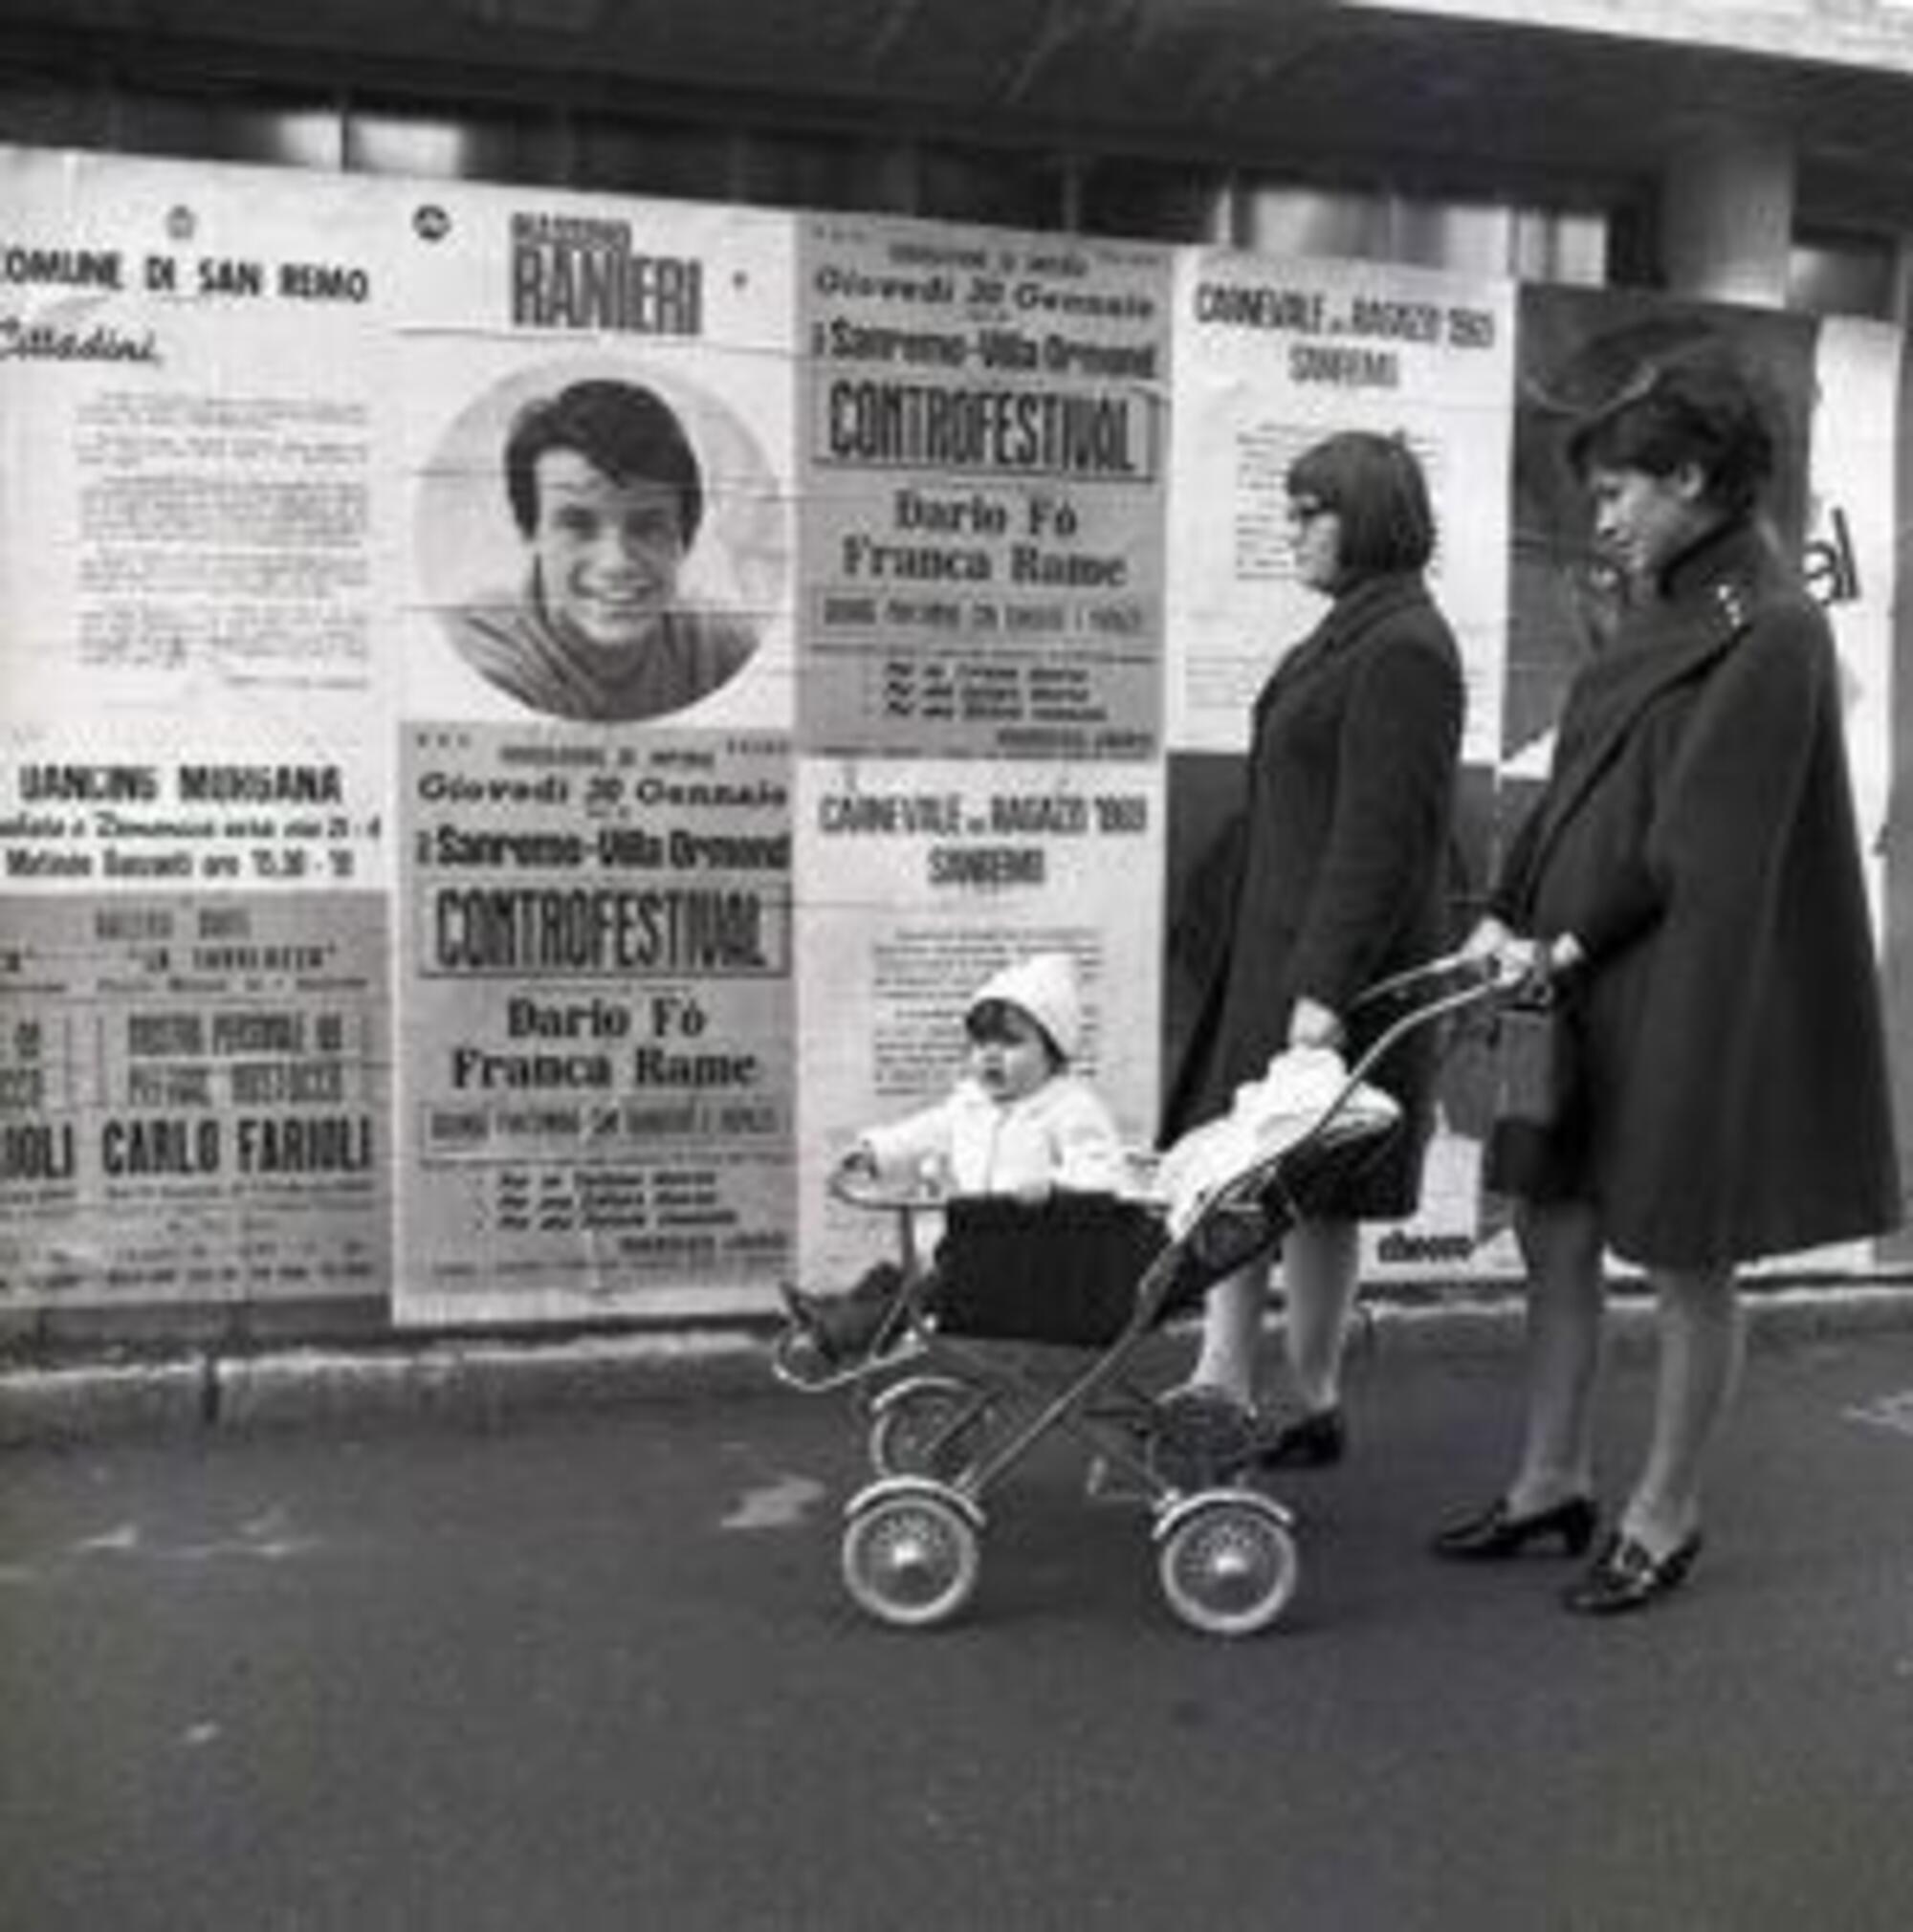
(1697, 835)
(1343, 875)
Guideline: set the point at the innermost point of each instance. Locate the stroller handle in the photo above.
(893, 1196)
(1456, 965)
(1475, 983)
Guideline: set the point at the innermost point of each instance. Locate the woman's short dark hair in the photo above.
(1697, 405)
(622, 428)
(1375, 487)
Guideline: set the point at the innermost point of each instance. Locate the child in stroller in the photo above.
(1023, 1289)
(1019, 1122)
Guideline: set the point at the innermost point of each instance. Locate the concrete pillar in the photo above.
(1727, 212)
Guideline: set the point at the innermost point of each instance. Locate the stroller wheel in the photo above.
(929, 1425)
(910, 1553)
(1228, 1564)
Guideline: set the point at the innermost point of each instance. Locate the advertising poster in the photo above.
(1847, 555)
(984, 440)
(597, 400)
(189, 367)
(1847, 560)
(193, 769)
(1271, 356)
(925, 878)
(594, 803)
(192, 1097)
(596, 1092)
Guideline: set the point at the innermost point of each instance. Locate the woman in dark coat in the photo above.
(1692, 872)
(1342, 881)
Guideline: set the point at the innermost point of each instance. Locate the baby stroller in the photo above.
(950, 1413)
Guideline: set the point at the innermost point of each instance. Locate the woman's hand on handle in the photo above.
(855, 1174)
(1518, 960)
(1497, 950)
(1311, 1024)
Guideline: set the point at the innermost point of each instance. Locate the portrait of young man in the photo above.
(608, 498)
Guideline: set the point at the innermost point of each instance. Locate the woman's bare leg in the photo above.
(1232, 1317)
(1320, 1262)
(1561, 1245)
(1702, 1345)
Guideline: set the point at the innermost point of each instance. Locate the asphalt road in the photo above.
(599, 1672)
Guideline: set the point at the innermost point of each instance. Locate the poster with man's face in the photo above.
(596, 406)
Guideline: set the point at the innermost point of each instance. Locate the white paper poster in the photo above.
(194, 1043)
(1272, 356)
(1851, 539)
(596, 1095)
(597, 402)
(925, 878)
(984, 449)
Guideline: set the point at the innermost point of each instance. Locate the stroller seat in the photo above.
(1063, 1270)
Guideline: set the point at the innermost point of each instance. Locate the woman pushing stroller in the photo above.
(1340, 881)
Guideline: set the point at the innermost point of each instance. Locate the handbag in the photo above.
(1534, 1060)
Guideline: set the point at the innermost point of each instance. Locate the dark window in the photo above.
(223, 126)
(841, 171)
(453, 144)
(1009, 189)
(1155, 201)
(686, 160)
(1841, 275)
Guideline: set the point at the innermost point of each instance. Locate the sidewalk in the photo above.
(64, 1395)
(599, 1669)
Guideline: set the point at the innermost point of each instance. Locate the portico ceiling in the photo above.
(1312, 86)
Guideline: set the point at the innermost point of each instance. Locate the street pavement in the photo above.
(595, 1668)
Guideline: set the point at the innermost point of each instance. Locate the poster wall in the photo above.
(193, 759)
(524, 715)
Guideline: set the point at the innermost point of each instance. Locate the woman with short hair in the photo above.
(1341, 880)
(1690, 880)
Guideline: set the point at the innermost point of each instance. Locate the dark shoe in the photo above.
(799, 1307)
(1311, 1442)
(1627, 1576)
(848, 1329)
(800, 1312)
(1496, 1533)
(838, 1328)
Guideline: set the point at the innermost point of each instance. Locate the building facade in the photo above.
(340, 992)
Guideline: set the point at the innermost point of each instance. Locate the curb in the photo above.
(488, 1382)
(474, 1383)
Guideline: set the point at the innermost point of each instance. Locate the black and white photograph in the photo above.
(956, 965)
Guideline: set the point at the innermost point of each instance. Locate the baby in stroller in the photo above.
(1019, 1122)
(1105, 1249)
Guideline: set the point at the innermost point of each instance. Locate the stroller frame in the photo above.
(948, 1418)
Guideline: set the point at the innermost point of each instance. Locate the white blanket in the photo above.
(1267, 1116)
